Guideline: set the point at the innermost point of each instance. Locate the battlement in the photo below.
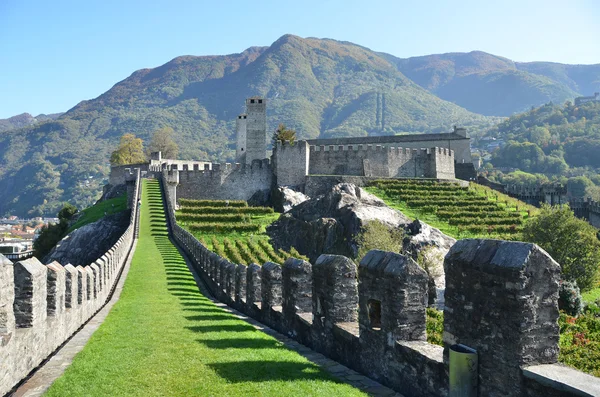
(372, 318)
(41, 306)
(378, 148)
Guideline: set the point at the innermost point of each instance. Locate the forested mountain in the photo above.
(553, 142)
(24, 119)
(318, 87)
(492, 85)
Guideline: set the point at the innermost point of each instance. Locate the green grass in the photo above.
(97, 211)
(164, 338)
(592, 295)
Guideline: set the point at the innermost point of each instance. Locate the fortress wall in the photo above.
(502, 300)
(594, 214)
(461, 147)
(41, 306)
(291, 163)
(121, 173)
(381, 161)
(222, 181)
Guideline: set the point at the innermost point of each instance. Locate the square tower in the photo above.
(240, 130)
(256, 129)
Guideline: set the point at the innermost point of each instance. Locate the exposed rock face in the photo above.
(431, 245)
(328, 224)
(284, 198)
(89, 242)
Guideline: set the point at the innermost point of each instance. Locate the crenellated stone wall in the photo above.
(41, 306)
(502, 301)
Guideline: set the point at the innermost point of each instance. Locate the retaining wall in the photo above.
(41, 306)
(501, 300)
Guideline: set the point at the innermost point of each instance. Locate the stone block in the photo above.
(30, 293)
(81, 284)
(253, 284)
(502, 300)
(70, 286)
(240, 283)
(270, 285)
(335, 293)
(56, 280)
(7, 297)
(392, 291)
(297, 287)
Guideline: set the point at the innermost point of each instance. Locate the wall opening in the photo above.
(260, 101)
(374, 309)
(320, 309)
(251, 100)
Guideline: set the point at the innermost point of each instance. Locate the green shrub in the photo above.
(435, 326)
(212, 203)
(221, 228)
(569, 298)
(376, 235)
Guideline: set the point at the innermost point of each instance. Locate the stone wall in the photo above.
(382, 161)
(460, 145)
(221, 181)
(291, 163)
(502, 301)
(42, 306)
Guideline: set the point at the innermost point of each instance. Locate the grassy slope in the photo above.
(163, 338)
(97, 211)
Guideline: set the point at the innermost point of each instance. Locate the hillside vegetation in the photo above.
(316, 87)
(472, 211)
(492, 85)
(552, 142)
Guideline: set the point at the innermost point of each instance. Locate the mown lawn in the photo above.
(164, 338)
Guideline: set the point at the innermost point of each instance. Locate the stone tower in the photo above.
(256, 129)
(240, 130)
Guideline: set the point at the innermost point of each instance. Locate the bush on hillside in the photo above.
(569, 298)
(376, 235)
(572, 242)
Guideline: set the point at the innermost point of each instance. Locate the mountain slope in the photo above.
(319, 87)
(492, 85)
(25, 119)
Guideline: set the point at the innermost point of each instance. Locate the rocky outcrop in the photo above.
(428, 246)
(284, 198)
(86, 244)
(328, 224)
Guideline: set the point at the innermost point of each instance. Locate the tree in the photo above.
(51, 234)
(130, 151)
(283, 134)
(578, 185)
(162, 141)
(572, 242)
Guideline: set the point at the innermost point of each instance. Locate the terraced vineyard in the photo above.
(232, 229)
(459, 211)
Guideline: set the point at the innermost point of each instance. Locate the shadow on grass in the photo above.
(265, 371)
(240, 343)
(222, 328)
(210, 317)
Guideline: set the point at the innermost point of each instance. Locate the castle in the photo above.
(308, 165)
(584, 99)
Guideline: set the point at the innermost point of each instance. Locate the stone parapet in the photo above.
(41, 306)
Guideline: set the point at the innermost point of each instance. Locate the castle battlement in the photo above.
(41, 306)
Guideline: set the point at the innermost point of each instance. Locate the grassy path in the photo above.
(163, 338)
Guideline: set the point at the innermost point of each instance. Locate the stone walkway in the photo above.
(48, 372)
(334, 368)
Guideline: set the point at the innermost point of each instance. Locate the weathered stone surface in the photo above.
(392, 296)
(240, 283)
(428, 244)
(56, 280)
(297, 288)
(335, 293)
(285, 198)
(7, 297)
(502, 300)
(70, 286)
(271, 285)
(76, 247)
(253, 284)
(30, 293)
(330, 223)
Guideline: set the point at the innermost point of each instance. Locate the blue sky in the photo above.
(55, 53)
